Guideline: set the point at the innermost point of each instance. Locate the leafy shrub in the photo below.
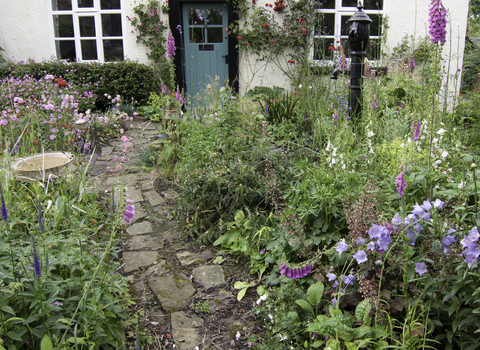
(127, 78)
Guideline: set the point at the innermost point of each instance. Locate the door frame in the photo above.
(175, 18)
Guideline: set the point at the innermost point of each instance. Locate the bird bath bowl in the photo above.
(34, 167)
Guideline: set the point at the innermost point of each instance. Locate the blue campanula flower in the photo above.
(420, 268)
(341, 247)
(348, 280)
(360, 256)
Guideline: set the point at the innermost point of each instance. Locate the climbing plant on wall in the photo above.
(150, 30)
(280, 32)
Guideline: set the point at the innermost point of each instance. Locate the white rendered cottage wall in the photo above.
(26, 31)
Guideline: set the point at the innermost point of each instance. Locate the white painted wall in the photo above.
(24, 29)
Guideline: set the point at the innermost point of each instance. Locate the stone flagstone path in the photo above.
(166, 272)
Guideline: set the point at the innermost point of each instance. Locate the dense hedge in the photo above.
(127, 78)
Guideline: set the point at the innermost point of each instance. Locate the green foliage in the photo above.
(128, 79)
(77, 295)
(280, 109)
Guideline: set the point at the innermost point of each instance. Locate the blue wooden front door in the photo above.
(206, 45)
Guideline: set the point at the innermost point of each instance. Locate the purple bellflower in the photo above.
(341, 247)
(420, 268)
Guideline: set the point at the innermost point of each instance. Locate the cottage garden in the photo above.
(359, 231)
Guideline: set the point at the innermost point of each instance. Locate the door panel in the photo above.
(206, 45)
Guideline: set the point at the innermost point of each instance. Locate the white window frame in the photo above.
(95, 12)
(336, 38)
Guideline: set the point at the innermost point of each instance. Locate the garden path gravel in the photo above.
(183, 299)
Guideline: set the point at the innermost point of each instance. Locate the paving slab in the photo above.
(209, 276)
(154, 198)
(187, 258)
(134, 260)
(140, 228)
(135, 195)
(173, 291)
(144, 242)
(184, 332)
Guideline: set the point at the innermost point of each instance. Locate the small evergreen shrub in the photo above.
(128, 79)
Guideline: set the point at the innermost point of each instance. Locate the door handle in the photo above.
(226, 58)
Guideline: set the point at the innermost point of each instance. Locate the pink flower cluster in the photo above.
(437, 22)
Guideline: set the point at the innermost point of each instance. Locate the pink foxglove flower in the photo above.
(437, 22)
(129, 212)
(401, 183)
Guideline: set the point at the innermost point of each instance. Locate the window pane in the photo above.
(63, 26)
(197, 35)
(215, 35)
(110, 4)
(373, 4)
(325, 24)
(325, 4)
(89, 49)
(344, 25)
(214, 16)
(195, 16)
(113, 50)
(85, 3)
(87, 26)
(367, 4)
(61, 5)
(376, 25)
(112, 24)
(66, 50)
(349, 3)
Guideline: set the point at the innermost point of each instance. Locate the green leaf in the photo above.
(333, 344)
(46, 343)
(2, 348)
(304, 305)
(241, 285)
(351, 346)
(7, 309)
(76, 340)
(315, 293)
(362, 312)
(218, 260)
(239, 217)
(241, 294)
(14, 336)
